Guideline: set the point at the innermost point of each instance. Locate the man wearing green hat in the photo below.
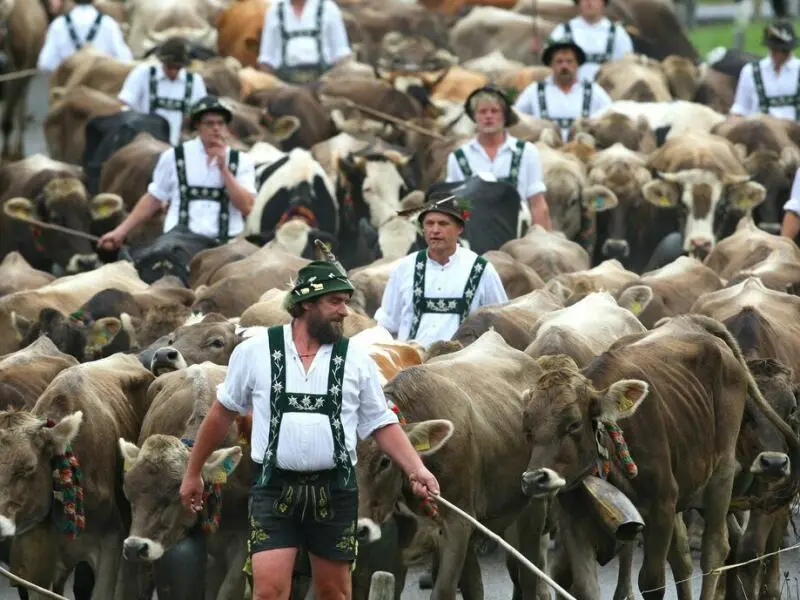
(167, 89)
(432, 291)
(207, 187)
(311, 393)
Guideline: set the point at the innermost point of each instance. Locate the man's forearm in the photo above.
(145, 208)
(791, 225)
(540, 213)
(240, 197)
(212, 431)
(394, 442)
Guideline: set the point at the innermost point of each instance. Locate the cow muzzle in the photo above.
(7, 528)
(613, 248)
(541, 482)
(136, 549)
(771, 464)
(699, 248)
(80, 263)
(367, 531)
(166, 360)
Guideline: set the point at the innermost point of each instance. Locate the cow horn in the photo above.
(733, 179)
(158, 37)
(673, 177)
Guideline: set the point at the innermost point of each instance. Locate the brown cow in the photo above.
(616, 128)
(315, 122)
(780, 270)
(26, 373)
(634, 77)
(84, 410)
(206, 263)
(517, 278)
(17, 275)
(239, 30)
(548, 252)
(609, 276)
(92, 68)
(684, 456)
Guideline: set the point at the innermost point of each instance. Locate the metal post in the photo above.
(381, 586)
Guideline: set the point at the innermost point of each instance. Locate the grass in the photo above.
(708, 37)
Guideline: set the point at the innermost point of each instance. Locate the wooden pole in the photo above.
(386, 117)
(381, 586)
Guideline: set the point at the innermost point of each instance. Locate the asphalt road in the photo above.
(496, 582)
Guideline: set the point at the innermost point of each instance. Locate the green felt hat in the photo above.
(316, 279)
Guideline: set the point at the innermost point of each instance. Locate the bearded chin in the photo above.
(325, 332)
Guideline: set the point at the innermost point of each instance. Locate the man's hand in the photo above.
(216, 154)
(112, 240)
(192, 492)
(423, 483)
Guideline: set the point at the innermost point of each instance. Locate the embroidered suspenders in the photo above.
(305, 72)
(766, 102)
(513, 171)
(564, 123)
(597, 58)
(329, 404)
(76, 41)
(170, 103)
(459, 306)
(190, 193)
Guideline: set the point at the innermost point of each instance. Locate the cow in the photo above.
(584, 329)
(667, 119)
(634, 77)
(609, 276)
(26, 373)
(702, 175)
(239, 31)
(517, 278)
(669, 291)
(462, 409)
(76, 421)
(17, 275)
(154, 21)
(206, 263)
(617, 128)
(315, 122)
(780, 271)
(24, 28)
(92, 68)
(488, 28)
(683, 363)
(548, 252)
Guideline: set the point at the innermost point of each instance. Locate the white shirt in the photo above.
(560, 105)
(784, 83)
(303, 50)
(135, 93)
(529, 180)
(593, 39)
(58, 45)
(305, 440)
(441, 281)
(203, 214)
(793, 203)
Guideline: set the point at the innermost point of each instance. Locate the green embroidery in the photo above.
(347, 542)
(156, 101)
(766, 102)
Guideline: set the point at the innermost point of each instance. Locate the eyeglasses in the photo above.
(212, 122)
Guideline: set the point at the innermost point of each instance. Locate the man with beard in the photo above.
(432, 291)
(560, 97)
(495, 153)
(310, 393)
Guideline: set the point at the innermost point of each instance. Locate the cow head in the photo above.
(26, 473)
(382, 487)
(612, 128)
(153, 475)
(562, 413)
(699, 193)
(212, 338)
(776, 173)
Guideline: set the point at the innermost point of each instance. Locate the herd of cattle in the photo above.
(698, 360)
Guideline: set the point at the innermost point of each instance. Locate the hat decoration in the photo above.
(318, 278)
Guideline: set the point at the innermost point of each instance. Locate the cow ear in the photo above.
(221, 464)
(19, 207)
(284, 127)
(129, 451)
(598, 198)
(663, 194)
(351, 166)
(622, 399)
(744, 197)
(636, 298)
(63, 433)
(252, 44)
(106, 205)
(412, 201)
(428, 437)
(20, 324)
(399, 159)
(101, 333)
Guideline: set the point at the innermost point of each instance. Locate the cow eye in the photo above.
(574, 427)
(217, 343)
(384, 463)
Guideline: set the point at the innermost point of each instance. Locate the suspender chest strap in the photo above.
(76, 41)
(190, 193)
(170, 103)
(766, 102)
(564, 123)
(458, 306)
(463, 163)
(597, 58)
(513, 171)
(303, 73)
(283, 401)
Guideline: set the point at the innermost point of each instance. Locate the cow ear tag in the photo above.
(636, 307)
(422, 445)
(664, 201)
(599, 202)
(220, 474)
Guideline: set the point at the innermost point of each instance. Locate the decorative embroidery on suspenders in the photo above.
(459, 306)
(766, 102)
(564, 123)
(76, 41)
(303, 72)
(513, 170)
(329, 404)
(597, 58)
(190, 193)
(170, 103)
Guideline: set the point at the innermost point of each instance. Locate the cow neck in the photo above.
(212, 499)
(428, 506)
(68, 513)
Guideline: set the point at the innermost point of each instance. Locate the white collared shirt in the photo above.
(135, 93)
(793, 203)
(529, 180)
(58, 45)
(783, 83)
(593, 39)
(303, 50)
(203, 214)
(441, 281)
(305, 440)
(561, 105)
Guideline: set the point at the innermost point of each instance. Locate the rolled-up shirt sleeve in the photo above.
(534, 179)
(744, 99)
(121, 50)
(270, 51)
(600, 100)
(793, 203)
(235, 393)
(132, 92)
(454, 172)
(165, 178)
(338, 45)
(526, 102)
(246, 173)
(490, 289)
(373, 410)
(50, 55)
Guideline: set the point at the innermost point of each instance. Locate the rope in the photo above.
(508, 547)
(31, 586)
(18, 75)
